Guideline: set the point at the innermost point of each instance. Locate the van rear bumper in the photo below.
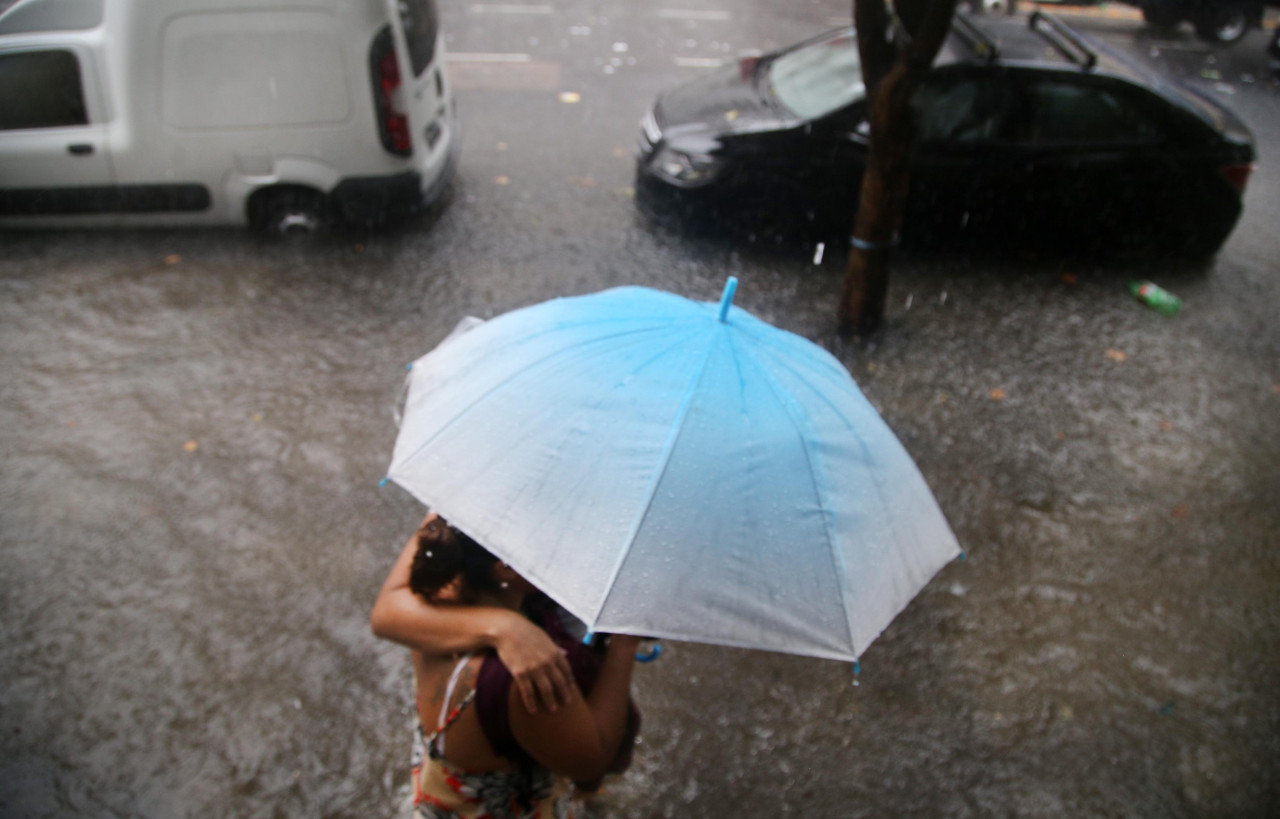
(369, 200)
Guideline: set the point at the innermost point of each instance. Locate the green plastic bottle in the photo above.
(1156, 297)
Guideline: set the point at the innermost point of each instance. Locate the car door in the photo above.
(53, 142)
(1098, 166)
(964, 177)
(830, 155)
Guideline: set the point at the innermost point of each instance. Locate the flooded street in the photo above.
(193, 425)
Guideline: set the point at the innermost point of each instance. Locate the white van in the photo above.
(280, 114)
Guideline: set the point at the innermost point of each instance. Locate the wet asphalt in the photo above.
(193, 425)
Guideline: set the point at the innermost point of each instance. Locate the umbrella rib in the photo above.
(837, 560)
(543, 361)
(873, 476)
(668, 448)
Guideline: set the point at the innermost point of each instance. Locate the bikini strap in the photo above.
(448, 717)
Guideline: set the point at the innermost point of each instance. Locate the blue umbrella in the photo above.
(673, 468)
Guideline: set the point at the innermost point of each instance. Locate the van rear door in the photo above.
(53, 136)
(422, 91)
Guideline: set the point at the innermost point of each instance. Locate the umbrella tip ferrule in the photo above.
(383, 482)
(726, 299)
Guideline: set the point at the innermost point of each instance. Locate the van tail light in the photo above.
(1237, 175)
(393, 124)
(397, 122)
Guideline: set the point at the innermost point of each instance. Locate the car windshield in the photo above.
(818, 78)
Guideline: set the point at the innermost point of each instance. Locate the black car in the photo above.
(1028, 133)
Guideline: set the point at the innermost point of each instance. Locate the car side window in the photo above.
(40, 89)
(962, 110)
(1061, 111)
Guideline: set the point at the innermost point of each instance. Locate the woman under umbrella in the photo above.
(480, 752)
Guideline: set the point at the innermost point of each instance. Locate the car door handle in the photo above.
(80, 149)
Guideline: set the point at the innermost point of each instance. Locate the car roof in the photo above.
(1040, 40)
(1043, 42)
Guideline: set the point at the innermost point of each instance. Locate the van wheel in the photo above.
(290, 213)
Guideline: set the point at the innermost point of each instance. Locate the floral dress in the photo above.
(442, 790)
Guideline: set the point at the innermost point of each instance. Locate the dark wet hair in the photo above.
(445, 554)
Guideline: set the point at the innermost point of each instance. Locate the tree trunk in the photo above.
(891, 70)
(880, 205)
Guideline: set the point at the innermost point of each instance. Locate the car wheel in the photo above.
(289, 212)
(1222, 24)
(1161, 17)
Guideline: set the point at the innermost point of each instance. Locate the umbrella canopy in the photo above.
(676, 469)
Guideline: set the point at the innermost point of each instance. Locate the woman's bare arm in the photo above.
(582, 739)
(541, 672)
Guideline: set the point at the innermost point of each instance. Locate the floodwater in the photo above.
(193, 426)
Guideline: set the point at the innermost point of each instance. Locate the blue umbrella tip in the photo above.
(383, 482)
(726, 299)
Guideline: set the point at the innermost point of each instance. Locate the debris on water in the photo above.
(731, 115)
(1117, 356)
(172, 258)
(191, 446)
(502, 180)
(570, 97)
(1181, 511)
(1156, 297)
(1070, 278)
(627, 192)
(1210, 74)
(818, 251)
(620, 48)
(1166, 426)
(998, 394)
(256, 417)
(621, 153)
